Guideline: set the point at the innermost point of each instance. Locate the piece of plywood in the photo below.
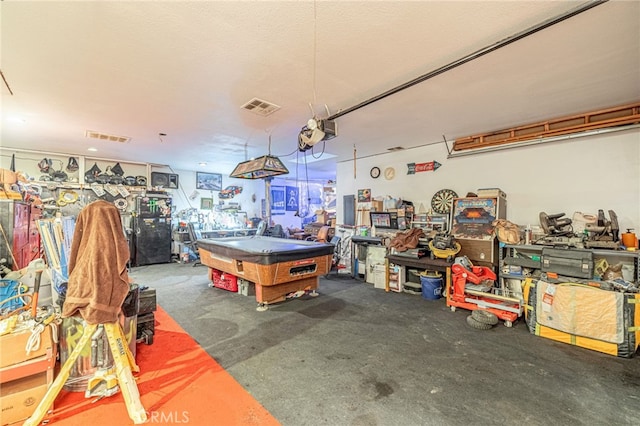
(600, 119)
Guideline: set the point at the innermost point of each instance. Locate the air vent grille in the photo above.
(105, 137)
(260, 107)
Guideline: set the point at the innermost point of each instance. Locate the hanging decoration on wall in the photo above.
(442, 201)
(293, 203)
(91, 174)
(206, 203)
(278, 203)
(389, 173)
(414, 168)
(72, 165)
(121, 204)
(364, 195)
(209, 181)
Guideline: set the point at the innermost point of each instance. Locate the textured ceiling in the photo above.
(138, 69)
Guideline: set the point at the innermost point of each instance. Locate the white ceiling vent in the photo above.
(260, 107)
(105, 137)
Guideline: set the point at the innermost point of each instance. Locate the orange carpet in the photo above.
(179, 383)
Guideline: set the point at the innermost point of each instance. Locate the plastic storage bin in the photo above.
(223, 280)
(431, 286)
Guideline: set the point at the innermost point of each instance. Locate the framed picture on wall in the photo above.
(206, 203)
(364, 195)
(209, 181)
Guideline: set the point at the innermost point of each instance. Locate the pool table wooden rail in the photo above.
(273, 281)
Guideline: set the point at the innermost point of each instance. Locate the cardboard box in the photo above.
(246, 288)
(13, 345)
(491, 192)
(322, 217)
(380, 276)
(21, 397)
(8, 177)
(377, 206)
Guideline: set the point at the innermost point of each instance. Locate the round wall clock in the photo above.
(375, 172)
(389, 173)
(442, 201)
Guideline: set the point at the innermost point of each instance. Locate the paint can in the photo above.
(97, 353)
(629, 239)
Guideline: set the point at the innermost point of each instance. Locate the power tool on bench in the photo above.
(444, 246)
(558, 230)
(556, 224)
(604, 233)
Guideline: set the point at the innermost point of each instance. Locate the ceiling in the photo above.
(173, 76)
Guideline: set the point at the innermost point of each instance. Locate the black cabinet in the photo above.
(152, 230)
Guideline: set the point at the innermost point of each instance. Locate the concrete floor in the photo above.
(359, 356)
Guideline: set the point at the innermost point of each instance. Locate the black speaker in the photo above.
(165, 180)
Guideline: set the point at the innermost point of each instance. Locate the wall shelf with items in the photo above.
(59, 181)
(431, 222)
(59, 168)
(43, 167)
(519, 261)
(405, 264)
(576, 301)
(115, 172)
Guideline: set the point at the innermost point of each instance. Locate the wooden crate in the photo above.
(25, 378)
(21, 397)
(13, 347)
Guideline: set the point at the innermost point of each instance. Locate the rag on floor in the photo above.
(98, 277)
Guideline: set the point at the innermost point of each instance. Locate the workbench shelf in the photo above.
(529, 256)
(400, 264)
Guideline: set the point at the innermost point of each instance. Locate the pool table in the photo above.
(278, 267)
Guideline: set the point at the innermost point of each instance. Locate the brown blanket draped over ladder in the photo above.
(98, 278)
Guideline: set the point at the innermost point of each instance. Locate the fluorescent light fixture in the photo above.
(92, 149)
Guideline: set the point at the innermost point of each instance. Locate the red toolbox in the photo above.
(223, 280)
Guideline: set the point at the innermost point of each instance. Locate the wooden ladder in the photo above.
(124, 363)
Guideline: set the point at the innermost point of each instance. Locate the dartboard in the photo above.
(443, 200)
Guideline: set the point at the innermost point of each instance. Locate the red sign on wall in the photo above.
(422, 167)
